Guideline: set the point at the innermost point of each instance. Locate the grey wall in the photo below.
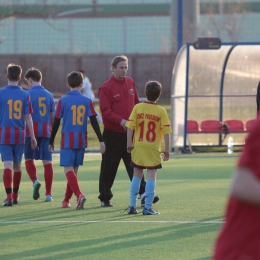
(55, 68)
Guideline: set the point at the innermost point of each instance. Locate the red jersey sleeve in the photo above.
(251, 153)
(105, 105)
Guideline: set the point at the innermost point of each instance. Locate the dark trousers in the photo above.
(115, 151)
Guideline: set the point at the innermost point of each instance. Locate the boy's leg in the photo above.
(16, 184)
(72, 180)
(32, 173)
(127, 161)
(150, 188)
(16, 181)
(67, 197)
(12, 157)
(29, 156)
(48, 177)
(7, 179)
(46, 156)
(135, 185)
(69, 192)
(70, 159)
(31, 170)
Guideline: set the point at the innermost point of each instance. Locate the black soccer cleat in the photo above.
(155, 199)
(7, 203)
(106, 203)
(132, 210)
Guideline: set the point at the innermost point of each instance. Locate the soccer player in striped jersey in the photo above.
(74, 109)
(149, 122)
(15, 111)
(43, 117)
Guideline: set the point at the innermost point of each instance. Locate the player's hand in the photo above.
(129, 148)
(33, 143)
(123, 122)
(102, 147)
(51, 148)
(166, 155)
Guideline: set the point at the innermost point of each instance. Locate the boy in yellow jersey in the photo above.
(149, 122)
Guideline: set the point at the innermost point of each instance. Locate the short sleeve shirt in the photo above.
(74, 110)
(43, 105)
(150, 122)
(15, 103)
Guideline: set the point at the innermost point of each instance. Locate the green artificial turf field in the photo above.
(192, 188)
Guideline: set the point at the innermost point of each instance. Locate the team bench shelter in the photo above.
(213, 93)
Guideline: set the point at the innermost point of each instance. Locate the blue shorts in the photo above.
(41, 152)
(12, 152)
(71, 157)
(146, 167)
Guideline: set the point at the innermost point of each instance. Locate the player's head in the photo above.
(119, 66)
(14, 72)
(153, 90)
(75, 79)
(33, 74)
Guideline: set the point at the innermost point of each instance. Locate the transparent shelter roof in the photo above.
(214, 84)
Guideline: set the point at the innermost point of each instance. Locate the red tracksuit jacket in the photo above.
(116, 100)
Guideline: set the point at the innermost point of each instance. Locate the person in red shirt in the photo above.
(117, 97)
(239, 237)
(258, 99)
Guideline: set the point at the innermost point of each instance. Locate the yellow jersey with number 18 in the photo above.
(150, 123)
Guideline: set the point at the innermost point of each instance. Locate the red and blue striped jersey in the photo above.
(14, 105)
(74, 109)
(43, 105)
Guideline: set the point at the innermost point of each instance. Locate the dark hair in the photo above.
(82, 71)
(153, 90)
(74, 79)
(34, 74)
(14, 72)
(118, 59)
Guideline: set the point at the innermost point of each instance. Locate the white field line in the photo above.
(110, 221)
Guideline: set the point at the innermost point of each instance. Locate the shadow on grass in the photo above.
(108, 238)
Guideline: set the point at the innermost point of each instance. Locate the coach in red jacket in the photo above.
(117, 97)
